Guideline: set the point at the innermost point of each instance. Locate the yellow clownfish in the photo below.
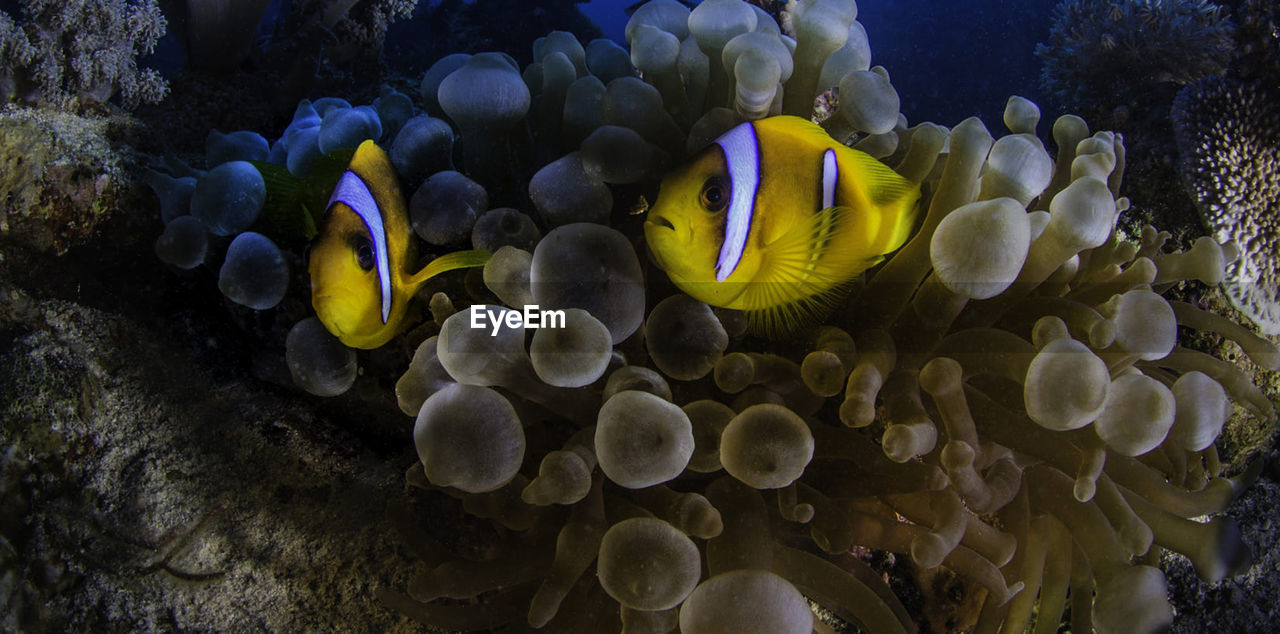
(361, 285)
(776, 218)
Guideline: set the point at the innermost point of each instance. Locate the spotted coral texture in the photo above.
(1228, 133)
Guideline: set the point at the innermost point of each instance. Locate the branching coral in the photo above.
(1228, 132)
(1105, 53)
(84, 52)
(363, 25)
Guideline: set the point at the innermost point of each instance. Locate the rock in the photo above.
(143, 489)
(62, 179)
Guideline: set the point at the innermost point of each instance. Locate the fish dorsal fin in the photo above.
(804, 274)
(889, 192)
(893, 196)
(883, 185)
(448, 262)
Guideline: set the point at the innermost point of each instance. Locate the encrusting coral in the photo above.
(80, 52)
(1228, 134)
(1021, 416)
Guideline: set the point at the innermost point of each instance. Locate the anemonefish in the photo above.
(361, 284)
(776, 218)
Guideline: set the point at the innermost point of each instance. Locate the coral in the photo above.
(64, 177)
(1024, 418)
(327, 40)
(79, 53)
(1258, 39)
(1228, 134)
(364, 24)
(16, 52)
(1108, 53)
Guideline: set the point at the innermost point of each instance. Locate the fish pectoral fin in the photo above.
(449, 262)
(804, 274)
(811, 256)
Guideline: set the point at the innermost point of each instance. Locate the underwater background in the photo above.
(183, 445)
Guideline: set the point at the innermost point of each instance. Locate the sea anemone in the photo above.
(1022, 417)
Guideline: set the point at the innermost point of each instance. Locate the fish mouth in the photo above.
(328, 308)
(660, 221)
(662, 242)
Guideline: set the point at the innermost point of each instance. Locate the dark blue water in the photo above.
(948, 60)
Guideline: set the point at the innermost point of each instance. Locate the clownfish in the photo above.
(776, 218)
(361, 284)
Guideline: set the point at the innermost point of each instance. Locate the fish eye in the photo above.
(364, 255)
(714, 194)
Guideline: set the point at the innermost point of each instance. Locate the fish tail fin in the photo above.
(295, 204)
(284, 212)
(448, 262)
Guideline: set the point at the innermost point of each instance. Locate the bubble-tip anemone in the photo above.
(642, 440)
(469, 437)
(971, 411)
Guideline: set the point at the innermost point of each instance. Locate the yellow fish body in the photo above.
(361, 284)
(776, 218)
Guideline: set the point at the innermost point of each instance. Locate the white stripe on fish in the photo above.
(830, 173)
(352, 192)
(742, 156)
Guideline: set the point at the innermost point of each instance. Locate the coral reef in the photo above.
(80, 53)
(353, 32)
(1025, 420)
(1107, 53)
(1119, 65)
(1228, 134)
(364, 24)
(1021, 426)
